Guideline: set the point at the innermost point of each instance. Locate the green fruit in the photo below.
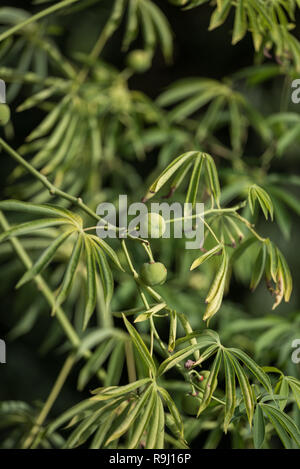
(153, 225)
(191, 403)
(154, 273)
(4, 114)
(139, 60)
(205, 374)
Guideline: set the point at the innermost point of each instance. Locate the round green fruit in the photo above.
(154, 273)
(152, 225)
(139, 60)
(191, 403)
(4, 114)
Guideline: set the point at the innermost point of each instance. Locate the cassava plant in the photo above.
(164, 348)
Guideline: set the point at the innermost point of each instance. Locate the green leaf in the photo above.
(153, 427)
(108, 250)
(69, 273)
(220, 14)
(106, 393)
(258, 428)
(91, 294)
(283, 421)
(105, 273)
(143, 422)
(205, 256)
(240, 22)
(30, 226)
(168, 172)
(141, 347)
(230, 392)
(255, 369)
(131, 416)
(245, 388)
(162, 27)
(258, 268)
(40, 209)
(191, 196)
(44, 259)
(211, 382)
(173, 409)
(213, 177)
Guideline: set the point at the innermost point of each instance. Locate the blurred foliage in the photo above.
(105, 96)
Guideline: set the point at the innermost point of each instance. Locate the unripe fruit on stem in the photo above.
(4, 114)
(139, 60)
(191, 403)
(154, 273)
(152, 225)
(205, 374)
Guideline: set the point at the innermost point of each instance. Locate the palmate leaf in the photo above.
(283, 424)
(190, 96)
(114, 412)
(265, 20)
(182, 164)
(256, 193)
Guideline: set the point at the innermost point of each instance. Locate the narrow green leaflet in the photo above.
(143, 422)
(70, 272)
(30, 226)
(108, 250)
(168, 172)
(173, 409)
(153, 427)
(212, 382)
(105, 273)
(245, 388)
(258, 427)
(240, 22)
(205, 256)
(91, 295)
(255, 369)
(103, 394)
(44, 259)
(141, 347)
(230, 391)
(191, 196)
(131, 416)
(258, 268)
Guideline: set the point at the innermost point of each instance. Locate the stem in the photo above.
(58, 385)
(36, 17)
